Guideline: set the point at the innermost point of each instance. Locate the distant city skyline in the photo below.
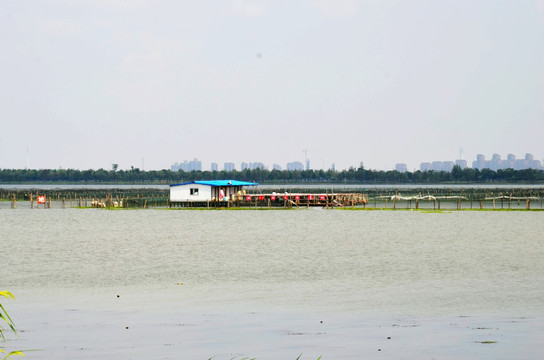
(495, 163)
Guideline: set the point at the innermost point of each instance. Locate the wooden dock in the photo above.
(285, 200)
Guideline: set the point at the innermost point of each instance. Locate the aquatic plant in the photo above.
(4, 316)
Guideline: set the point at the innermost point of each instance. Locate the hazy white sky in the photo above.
(84, 84)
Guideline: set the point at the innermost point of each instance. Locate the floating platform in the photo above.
(281, 200)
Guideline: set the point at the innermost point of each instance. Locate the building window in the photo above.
(194, 191)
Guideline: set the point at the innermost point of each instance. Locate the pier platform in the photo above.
(286, 200)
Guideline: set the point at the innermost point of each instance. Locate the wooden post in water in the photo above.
(63, 203)
(31, 201)
(395, 202)
(13, 202)
(528, 204)
(50, 203)
(481, 204)
(417, 204)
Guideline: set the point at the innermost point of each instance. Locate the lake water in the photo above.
(273, 284)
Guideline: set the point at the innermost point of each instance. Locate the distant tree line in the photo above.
(352, 175)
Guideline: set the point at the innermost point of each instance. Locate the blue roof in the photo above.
(220, 183)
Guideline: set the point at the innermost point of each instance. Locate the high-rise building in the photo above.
(447, 166)
(479, 163)
(461, 163)
(295, 165)
(425, 166)
(229, 166)
(401, 167)
(436, 166)
(257, 165)
(252, 166)
(510, 162)
(496, 162)
(214, 167)
(194, 165)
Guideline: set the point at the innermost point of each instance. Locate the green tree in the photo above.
(457, 173)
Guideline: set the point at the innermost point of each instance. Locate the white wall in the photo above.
(183, 192)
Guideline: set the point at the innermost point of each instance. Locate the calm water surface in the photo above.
(95, 284)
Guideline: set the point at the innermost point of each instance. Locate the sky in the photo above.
(146, 84)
